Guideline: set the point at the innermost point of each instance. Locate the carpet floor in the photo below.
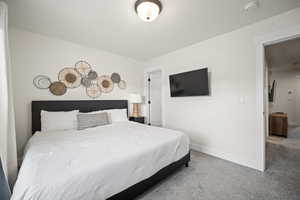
(292, 141)
(211, 178)
(294, 132)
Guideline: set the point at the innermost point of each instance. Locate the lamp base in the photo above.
(135, 110)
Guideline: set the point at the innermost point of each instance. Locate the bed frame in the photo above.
(95, 105)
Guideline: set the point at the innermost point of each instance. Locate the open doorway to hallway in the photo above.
(283, 103)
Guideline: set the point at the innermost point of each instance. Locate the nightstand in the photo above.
(137, 119)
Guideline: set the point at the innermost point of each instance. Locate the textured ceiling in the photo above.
(284, 56)
(112, 25)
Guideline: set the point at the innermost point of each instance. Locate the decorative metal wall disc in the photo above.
(92, 75)
(93, 91)
(115, 77)
(122, 85)
(94, 82)
(105, 83)
(83, 67)
(70, 77)
(58, 88)
(42, 82)
(86, 82)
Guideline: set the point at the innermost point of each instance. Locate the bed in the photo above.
(117, 161)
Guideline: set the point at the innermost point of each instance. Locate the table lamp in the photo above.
(135, 99)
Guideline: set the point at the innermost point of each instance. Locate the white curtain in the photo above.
(8, 150)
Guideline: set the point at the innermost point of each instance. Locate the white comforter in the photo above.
(95, 163)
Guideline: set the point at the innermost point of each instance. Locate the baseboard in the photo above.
(223, 155)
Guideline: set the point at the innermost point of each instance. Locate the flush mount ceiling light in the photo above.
(148, 10)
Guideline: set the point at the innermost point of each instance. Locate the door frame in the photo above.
(147, 71)
(273, 38)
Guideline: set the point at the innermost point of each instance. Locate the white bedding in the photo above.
(96, 163)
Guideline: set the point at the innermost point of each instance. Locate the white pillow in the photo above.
(114, 115)
(56, 121)
(118, 115)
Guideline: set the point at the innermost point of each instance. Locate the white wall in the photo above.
(283, 101)
(34, 54)
(225, 123)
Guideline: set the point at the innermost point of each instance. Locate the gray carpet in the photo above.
(294, 132)
(211, 178)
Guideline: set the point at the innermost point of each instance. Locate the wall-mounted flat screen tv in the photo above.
(192, 83)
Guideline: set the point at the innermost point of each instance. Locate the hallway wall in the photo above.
(287, 94)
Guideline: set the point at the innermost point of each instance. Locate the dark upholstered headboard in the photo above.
(82, 106)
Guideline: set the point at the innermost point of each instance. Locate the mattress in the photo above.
(95, 163)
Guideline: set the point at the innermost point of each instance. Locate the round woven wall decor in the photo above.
(92, 75)
(42, 82)
(93, 91)
(58, 88)
(105, 83)
(86, 82)
(115, 77)
(70, 77)
(122, 85)
(83, 67)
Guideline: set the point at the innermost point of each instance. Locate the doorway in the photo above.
(283, 68)
(154, 98)
(261, 89)
(282, 102)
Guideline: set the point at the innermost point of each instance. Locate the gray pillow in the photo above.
(91, 120)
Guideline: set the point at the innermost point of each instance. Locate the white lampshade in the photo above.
(135, 98)
(148, 10)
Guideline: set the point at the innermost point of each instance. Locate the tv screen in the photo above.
(192, 83)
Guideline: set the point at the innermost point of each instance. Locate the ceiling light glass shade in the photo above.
(148, 10)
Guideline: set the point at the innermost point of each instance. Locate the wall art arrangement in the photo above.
(81, 74)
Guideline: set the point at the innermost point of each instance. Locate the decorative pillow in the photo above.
(92, 120)
(56, 121)
(114, 115)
